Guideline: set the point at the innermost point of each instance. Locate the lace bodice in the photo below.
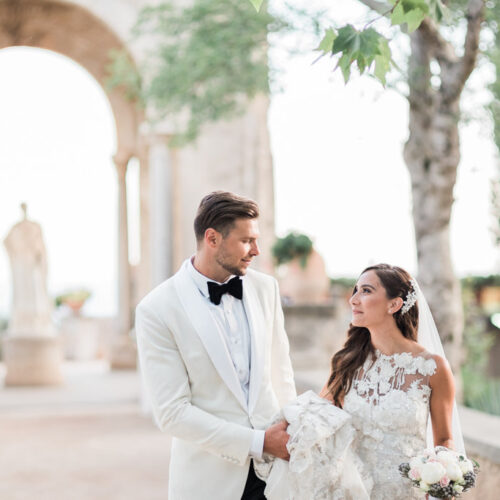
(389, 405)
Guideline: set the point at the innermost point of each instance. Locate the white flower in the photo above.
(446, 457)
(416, 463)
(432, 472)
(466, 466)
(414, 474)
(427, 366)
(458, 488)
(403, 360)
(424, 486)
(384, 387)
(453, 471)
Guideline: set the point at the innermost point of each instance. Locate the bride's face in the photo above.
(369, 302)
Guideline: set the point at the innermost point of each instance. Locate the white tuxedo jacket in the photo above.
(195, 392)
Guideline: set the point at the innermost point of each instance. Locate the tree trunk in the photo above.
(432, 155)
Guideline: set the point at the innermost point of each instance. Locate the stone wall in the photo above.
(315, 332)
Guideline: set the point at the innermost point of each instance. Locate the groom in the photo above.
(214, 355)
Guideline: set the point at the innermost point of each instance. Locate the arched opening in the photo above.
(58, 141)
(75, 32)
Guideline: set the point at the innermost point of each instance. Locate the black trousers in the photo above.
(254, 487)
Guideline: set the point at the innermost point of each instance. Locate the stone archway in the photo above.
(75, 32)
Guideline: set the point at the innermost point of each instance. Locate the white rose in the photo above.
(466, 466)
(432, 472)
(453, 472)
(446, 457)
(423, 486)
(458, 488)
(416, 463)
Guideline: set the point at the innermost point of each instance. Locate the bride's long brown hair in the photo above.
(396, 282)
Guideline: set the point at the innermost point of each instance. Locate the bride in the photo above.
(388, 378)
(388, 382)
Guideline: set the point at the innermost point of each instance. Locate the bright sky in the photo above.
(339, 173)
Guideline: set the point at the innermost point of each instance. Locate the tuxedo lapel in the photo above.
(255, 317)
(207, 329)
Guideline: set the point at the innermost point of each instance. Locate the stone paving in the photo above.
(87, 440)
(90, 439)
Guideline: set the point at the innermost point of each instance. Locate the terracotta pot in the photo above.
(309, 285)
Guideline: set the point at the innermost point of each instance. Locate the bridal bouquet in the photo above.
(440, 472)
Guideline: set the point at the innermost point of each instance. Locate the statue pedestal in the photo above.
(33, 361)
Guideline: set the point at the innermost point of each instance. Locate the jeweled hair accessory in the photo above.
(411, 298)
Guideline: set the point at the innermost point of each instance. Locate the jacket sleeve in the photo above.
(167, 382)
(281, 365)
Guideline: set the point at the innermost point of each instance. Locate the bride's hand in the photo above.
(275, 440)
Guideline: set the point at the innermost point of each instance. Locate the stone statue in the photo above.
(31, 304)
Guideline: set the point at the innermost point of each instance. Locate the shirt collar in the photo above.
(201, 280)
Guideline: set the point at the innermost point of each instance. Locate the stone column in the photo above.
(143, 276)
(123, 352)
(161, 213)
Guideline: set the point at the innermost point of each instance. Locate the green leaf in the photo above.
(409, 12)
(347, 41)
(257, 4)
(382, 61)
(437, 9)
(413, 19)
(345, 65)
(326, 44)
(369, 43)
(398, 15)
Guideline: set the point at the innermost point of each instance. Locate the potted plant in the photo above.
(74, 299)
(303, 278)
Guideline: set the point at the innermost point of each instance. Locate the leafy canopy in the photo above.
(209, 59)
(367, 48)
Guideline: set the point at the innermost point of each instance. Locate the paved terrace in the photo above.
(89, 440)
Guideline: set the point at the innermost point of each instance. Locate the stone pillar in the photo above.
(123, 352)
(143, 272)
(161, 213)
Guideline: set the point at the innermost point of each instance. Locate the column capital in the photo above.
(121, 160)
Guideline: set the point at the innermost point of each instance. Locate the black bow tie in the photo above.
(234, 287)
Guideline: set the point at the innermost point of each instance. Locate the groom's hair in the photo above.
(220, 209)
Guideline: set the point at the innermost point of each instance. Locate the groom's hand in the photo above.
(275, 440)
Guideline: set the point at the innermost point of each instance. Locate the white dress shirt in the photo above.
(232, 320)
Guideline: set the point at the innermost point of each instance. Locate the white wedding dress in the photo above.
(354, 453)
(389, 406)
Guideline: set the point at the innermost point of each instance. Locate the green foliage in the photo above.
(477, 282)
(361, 47)
(480, 391)
(257, 4)
(73, 298)
(210, 57)
(291, 246)
(409, 12)
(123, 74)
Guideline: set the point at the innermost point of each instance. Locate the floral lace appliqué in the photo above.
(389, 405)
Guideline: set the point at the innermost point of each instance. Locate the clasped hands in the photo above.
(275, 440)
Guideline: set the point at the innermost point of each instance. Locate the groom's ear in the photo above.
(212, 237)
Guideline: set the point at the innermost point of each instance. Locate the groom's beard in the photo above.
(224, 260)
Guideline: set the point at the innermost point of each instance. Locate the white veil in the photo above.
(428, 337)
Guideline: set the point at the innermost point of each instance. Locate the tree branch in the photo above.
(475, 16)
(443, 50)
(466, 64)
